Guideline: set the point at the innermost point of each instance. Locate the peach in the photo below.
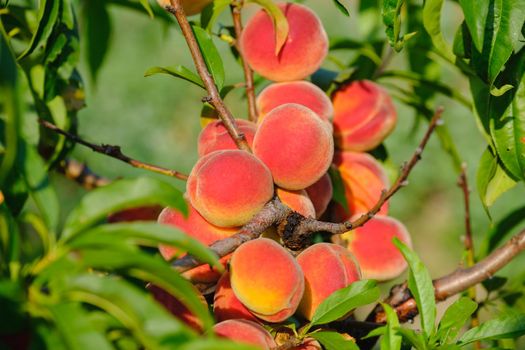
(245, 331)
(229, 187)
(146, 213)
(372, 246)
(177, 308)
(300, 92)
(320, 193)
(191, 7)
(295, 145)
(266, 279)
(215, 137)
(308, 344)
(297, 201)
(197, 227)
(327, 267)
(364, 115)
(226, 306)
(364, 179)
(303, 52)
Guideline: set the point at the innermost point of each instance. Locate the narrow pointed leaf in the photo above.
(504, 327)
(178, 72)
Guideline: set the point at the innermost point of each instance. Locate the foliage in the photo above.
(79, 283)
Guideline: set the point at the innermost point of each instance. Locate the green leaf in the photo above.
(344, 300)
(413, 337)
(333, 341)
(211, 55)
(432, 24)
(35, 175)
(421, 287)
(339, 5)
(491, 179)
(178, 72)
(151, 324)
(215, 344)
(391, 12)
(454, 318)
(98, 33)
(475, 12)
(76, 330)
(280, 23)
(145, 234)
(47, 17)
(145, 4)
(119, 195)
(500, 230)
(504, 327)
(211, 12)
(390, 340)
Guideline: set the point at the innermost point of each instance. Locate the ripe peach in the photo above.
(245, 331)
(176, 307)
(228, 187)
(300, 92)
(297, 201)
(295, 145)
(372, 246)
(197, 227)
(364, 115)
(191, 7)
(327, 267)
(303, 52)
(266, 279)
(364, 179)
(226, 306)
(215, 137)
(320, 194)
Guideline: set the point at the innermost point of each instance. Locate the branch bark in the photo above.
(214, 97)
(236, 7)
(453, 283)
(81, 174)
(113, 152)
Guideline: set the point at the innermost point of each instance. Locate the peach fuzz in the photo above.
(266, 279)
(364, 115)
(176, 307)
(304, 49)
(244, 331)
(226, 306)
(372, 246)
(320, 193)
(215, 137)
(327, 267)
(298, 201)
(300, 92)
(229, 187)
(364, 178)
(295, 145)
(197, 227)
(191, 7)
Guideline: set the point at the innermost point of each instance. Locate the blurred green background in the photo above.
(156, 119)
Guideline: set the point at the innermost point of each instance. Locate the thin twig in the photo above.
(236, 7)
(453, 283)
(113, 151)
(81, 174)
(214, 97)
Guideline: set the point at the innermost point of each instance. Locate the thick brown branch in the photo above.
(453, 283)
(273, 212)
(81, 174)
(236, 7)
(214, 97)
(113, 152)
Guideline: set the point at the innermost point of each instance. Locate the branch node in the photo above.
(207, 99)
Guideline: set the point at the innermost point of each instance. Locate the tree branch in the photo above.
(214, 97)
(81, 174)
(453, 283)
(113, 152)
(236, 7)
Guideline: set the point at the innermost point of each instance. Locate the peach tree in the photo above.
(283, 229)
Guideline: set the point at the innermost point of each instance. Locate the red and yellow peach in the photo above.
(215, 137)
